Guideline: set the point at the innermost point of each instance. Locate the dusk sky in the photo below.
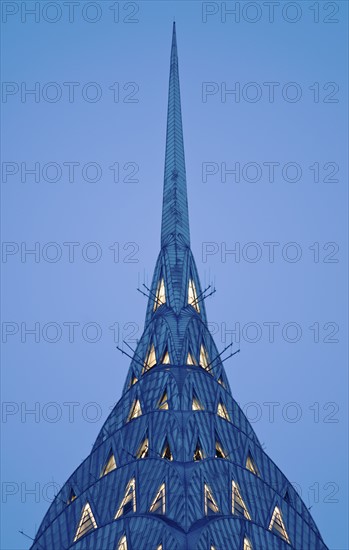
(264, 107)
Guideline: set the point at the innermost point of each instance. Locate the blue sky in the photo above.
(94, 130)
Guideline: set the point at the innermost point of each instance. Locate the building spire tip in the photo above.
(175, 218)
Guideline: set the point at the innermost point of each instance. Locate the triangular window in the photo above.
(87, 522)
(143, 451)
(196, 405)
(159, 547)
(72, 496)
(166, 358)
(192, 296)
(287, 497)
(203, 358)
(277, 525)
(122, 545)
(150, 360)
(219, 450)
(160, 294)
(166, 451)
(190, 359)
(133, 380)
(238, 505)
(163, 403)
(198, 453)
(247, 544)
(159, 503)
(211, 506)
(222, 411)
(128, 503)
(136, 410)
(251, 465)
(221, 382)
(110, 465)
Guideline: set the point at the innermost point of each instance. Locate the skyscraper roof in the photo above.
(177, 465)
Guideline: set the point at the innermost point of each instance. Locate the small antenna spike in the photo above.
(201, 293)
(223, 360)
(130, 356)
(25, 535)
(154, 295)
(128, 345)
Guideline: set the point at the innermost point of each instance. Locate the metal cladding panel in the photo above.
(170, 406)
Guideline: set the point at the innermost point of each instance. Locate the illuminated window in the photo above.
(159, 547)
(159, 503)
(135, 411)
(196, 405)
(160, 294)
(87, 522)
(110, 465)
(211, 506)
(198, 453)
(192, 296)
(219, 451)
(251, 465)
(143, 451)
(122, 545)
(72, 497)
(128, 503)
(247, 544)
(166, 358)
(221, 382)
(166, 451)
(277, 525)
(150, 360)
(163, 403)
(203, 358)
(222, 411)
(212, 547)
(238, 505)
(190, 360)
(133, 380)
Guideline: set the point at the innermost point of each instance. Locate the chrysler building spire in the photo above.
(175, 218)
(177, 465)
